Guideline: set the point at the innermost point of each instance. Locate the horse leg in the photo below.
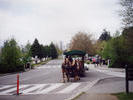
(63, 75)
(68, 78)
(75, 75)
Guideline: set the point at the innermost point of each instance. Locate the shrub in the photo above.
(10, 57)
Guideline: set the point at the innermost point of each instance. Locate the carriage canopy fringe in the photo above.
(74, 52)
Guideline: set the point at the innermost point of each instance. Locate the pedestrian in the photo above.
(108, 62)
(97, 61)
(100, 59)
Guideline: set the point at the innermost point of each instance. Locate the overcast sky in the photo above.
(56, 20)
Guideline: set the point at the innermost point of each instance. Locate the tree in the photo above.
(0, 55)
(26, 54)
(82, 41)
(128, 35)
(127, 12)
(99, 46)
(105, 36)
(53, 51)
(114, 49)
(59, 50)
(36, 49)
(47, 51)
(10, 57)
(44, 51)
(102, 41)
(26, 48)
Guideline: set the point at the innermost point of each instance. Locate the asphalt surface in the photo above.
(45, 83)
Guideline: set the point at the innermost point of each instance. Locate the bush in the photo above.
(115, 50)
(10, 57)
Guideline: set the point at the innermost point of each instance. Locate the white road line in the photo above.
(52, 87)
(70, 88)
(7, 86)
(37, 87)
(13, 89)
(50, 66)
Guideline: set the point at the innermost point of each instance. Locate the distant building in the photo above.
(0, 53)
(61, 45)
(0, 50)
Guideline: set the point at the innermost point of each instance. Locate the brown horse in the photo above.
(74, 67)
(79, 67)
(69, 69)
(65, 71)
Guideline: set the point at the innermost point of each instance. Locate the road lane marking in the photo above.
(6, 86)
(52, 87)
(49, 66)
(40, 88)
(70, 88)
(13, 89)
(37, 87)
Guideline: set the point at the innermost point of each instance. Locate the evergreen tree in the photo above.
(47, 48)
(105, 36)
(42, 52)
(36, 49)
(53, 51)
(45, 51)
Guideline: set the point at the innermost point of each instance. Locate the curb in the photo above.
(83, 90)
(87, 88)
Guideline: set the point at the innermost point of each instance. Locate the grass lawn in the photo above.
(124, 96)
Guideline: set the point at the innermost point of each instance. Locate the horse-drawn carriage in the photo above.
(73, 65)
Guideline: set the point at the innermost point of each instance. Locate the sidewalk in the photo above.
(86, 96)
(105, 67)
(118, 72)
(105, 87)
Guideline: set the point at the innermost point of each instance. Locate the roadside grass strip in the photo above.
(124, 96)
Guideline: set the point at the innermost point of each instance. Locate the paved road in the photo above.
(44, 83)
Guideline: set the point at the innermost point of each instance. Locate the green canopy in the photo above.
(74, 52)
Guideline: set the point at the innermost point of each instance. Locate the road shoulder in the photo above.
(88, 96)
